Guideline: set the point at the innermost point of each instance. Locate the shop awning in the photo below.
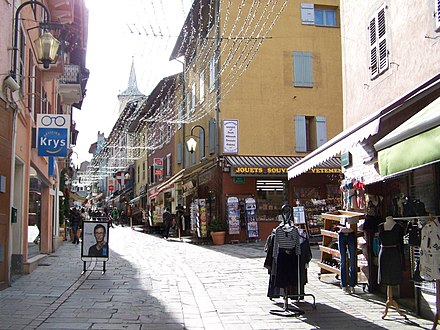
(275, 161)
(153, 192)
(414, 143)
(364, 129)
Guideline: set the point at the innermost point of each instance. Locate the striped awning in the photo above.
(276, 161)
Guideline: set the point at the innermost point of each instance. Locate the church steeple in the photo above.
(132, 89)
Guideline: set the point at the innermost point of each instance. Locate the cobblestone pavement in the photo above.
(152, 283)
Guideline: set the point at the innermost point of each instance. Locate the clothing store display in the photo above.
(430, 250)
(391, 262)
(347, 248)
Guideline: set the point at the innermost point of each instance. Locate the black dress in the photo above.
(390, 255)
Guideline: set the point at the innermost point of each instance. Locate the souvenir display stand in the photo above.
(333, 221)
(251, 218)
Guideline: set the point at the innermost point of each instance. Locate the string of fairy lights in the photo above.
(147, 122)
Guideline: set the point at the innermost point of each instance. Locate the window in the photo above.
(143, 170)
(310, 132)
(202, 86)
(138, 172)
(212, 73)
(319, 16)
(302, 69)
(379, 61)
(325, 17)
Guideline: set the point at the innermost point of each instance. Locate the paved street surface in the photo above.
(152, 283)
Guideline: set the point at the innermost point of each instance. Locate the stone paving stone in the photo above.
(185, 286)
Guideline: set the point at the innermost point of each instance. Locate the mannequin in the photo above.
(390, 260)
(389, 223)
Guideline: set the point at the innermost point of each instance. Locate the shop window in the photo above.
(302, 69)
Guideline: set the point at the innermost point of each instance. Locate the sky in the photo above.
(120, 32)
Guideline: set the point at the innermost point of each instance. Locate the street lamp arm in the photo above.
(15, 47)
(191, 143)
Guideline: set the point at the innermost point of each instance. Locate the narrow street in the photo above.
(152, 283)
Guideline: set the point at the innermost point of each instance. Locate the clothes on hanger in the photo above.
(430, 250)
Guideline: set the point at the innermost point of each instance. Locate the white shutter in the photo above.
(307, 13)
(379, 60)
(382, 40)
(321, 130)
(193, 100)
(436, 15)
(374, 70)
(202, 86)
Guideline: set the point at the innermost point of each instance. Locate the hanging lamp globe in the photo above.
(46, 47)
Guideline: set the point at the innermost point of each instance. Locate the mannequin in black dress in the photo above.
(390, 259)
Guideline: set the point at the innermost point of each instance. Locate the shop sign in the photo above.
(251, 171)
(53, 135)
(239, 179)
(230, 136)
(158, 166)
(111, 188)
(325, 170)
(346, 159)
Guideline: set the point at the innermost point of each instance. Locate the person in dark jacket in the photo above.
(167, 222)
(75, 220)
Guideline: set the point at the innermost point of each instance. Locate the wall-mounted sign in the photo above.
(346, 159)
(53, 134)
(230, 136)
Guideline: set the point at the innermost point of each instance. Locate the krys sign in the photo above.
(53, 134)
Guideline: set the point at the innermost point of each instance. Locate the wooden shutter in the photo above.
(179, 153)
(302, 69)
(379, 60)
(374, 70)
(300, 134)
(211, 136)
(202, 144)
(382, 40)
(307, 13)
(321, 130)
(437, 15)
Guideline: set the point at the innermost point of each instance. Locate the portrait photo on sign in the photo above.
(95, 239)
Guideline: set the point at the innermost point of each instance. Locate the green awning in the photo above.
(414, 143)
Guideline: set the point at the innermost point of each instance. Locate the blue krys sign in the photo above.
(53, 135)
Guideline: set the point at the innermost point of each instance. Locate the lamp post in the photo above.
(46, 45)
(192, 143)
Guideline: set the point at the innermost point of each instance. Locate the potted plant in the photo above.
(218, 231)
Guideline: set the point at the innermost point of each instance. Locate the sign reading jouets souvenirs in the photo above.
(53, 134)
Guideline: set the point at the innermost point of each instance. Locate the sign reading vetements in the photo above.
(53, 134)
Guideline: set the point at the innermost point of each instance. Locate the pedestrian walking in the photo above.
(75, 220)
(167, 221)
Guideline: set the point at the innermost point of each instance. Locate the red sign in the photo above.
(158, 162)
(111, 187)
(120, 177)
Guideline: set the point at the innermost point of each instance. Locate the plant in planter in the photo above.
(218, 231)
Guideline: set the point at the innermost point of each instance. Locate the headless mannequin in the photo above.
(388, 225)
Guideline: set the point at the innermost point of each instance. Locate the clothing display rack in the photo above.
(287, 214)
